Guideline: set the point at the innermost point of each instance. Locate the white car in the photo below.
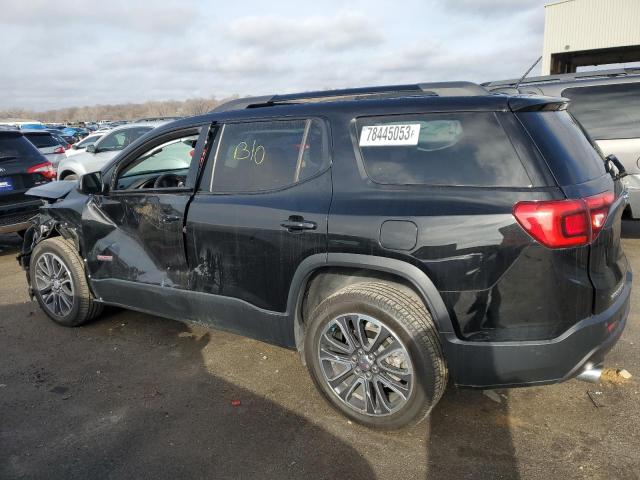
(47, 145)
(80, 147)
(98, 154)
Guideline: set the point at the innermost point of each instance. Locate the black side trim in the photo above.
(224, 313)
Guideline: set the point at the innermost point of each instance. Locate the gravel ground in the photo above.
(136, 396)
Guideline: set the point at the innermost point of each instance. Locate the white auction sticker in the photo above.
(390, 135)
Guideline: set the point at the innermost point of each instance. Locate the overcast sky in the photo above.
(70, 52)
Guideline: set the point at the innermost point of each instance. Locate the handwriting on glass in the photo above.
(256, 153)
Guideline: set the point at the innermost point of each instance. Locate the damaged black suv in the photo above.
(395, 236)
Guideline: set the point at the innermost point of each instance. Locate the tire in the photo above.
(376, 306)
(71, 176)
(71, 282)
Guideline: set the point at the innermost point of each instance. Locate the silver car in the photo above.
(98, 154)
(47, 145)
(607, 104)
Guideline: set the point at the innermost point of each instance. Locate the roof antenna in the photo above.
(527, 73)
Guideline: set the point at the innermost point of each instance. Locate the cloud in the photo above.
(341, 31)
(72, 52)
(492, 7)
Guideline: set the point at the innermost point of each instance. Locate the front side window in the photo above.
(258, 156)
(449, 149)
(163, 166)
(607, 112)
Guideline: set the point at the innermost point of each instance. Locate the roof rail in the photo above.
(387, 91)
(615, 72)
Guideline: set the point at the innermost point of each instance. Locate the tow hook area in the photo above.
(591, 373)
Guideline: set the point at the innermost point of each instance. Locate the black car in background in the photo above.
(395, 236)
(22, 167)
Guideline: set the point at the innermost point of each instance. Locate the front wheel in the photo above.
(373, 351)
(59, 283)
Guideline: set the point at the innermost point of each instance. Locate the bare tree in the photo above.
(128, 111)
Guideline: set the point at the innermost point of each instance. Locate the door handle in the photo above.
(171, 218)
(296, 223)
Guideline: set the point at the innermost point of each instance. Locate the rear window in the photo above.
(461, 149)
(40, 140)
(572, 157)
(16, 146)
(607, 111)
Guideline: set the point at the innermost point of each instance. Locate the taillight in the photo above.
(46, 169)
(59, 149)
(564, 223)
(598, 206)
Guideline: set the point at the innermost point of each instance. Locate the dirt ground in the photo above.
(136, 396)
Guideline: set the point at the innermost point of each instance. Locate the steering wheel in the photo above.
(168, 180)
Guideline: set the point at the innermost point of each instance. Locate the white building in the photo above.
(590, 32)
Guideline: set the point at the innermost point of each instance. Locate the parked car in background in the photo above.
(395, 236)
(96, 155)
(22, 166)
(32, 126)
(47, 145)
(60, 139)
(80, 146)
(607, 104)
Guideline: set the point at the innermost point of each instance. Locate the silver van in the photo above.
(607, 103)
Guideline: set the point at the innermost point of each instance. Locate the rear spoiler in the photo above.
(537, 103)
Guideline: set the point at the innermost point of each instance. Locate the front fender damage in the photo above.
(43, 226)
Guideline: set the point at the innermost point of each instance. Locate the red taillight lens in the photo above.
(564, 223)
(598, 206)
(45, 169)
(59, 149)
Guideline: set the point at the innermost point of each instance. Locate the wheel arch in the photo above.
(355, 268)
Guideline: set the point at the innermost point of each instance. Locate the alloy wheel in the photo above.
(365, 364)
(55, 284)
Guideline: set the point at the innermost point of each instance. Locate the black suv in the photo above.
(22, 167)
(394, 236)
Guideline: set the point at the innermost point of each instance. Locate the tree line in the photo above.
(126, 111)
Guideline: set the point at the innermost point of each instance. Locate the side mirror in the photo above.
(91, 184)
(91, 148)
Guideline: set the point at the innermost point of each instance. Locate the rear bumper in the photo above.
(513, 364)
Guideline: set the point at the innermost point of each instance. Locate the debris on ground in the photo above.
(235, 403)
(611, 375)
(596, 398)
(492, 395)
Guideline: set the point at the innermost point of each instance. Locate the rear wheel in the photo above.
(373, 351)
(59, 283)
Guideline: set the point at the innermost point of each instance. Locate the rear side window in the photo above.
(454, 149)
(41, 141)
(573, 159)
(258, 156)
(17, 147)
(607, 111)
